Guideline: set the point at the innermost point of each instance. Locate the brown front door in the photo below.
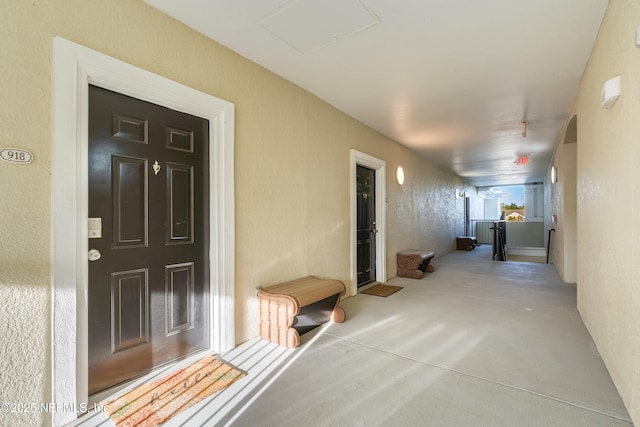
(148, 236)
(366, 225)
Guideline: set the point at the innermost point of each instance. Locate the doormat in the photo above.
(382, 290)
(154, 403)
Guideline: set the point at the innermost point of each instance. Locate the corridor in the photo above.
(476, 343)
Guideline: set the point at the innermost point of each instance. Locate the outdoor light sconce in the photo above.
(400, 175)
(554, 174)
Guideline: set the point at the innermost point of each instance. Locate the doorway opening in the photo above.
(519, 212)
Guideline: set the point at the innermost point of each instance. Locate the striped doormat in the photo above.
(382, 290)
(155, 402)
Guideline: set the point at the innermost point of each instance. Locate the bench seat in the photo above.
(466, 243)
(290, 309)
(414, 263)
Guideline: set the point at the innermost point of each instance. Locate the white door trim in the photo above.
(74, 68)
(379, 166)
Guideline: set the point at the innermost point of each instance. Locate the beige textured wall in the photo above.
(608, 201)
(292, 172)
(563, 201)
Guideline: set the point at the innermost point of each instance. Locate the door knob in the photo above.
(94, 255)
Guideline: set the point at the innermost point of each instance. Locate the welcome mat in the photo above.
(154, 403)
(382, 290)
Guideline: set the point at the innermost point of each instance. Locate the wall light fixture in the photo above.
(400, 175)
(554, 174)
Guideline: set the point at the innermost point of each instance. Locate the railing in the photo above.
(521, 235)
(499, 240)
(491, 232)
(549, 243)
(481, 229)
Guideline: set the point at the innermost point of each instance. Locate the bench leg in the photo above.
(338, 315)
(276, 318)
(412, 274)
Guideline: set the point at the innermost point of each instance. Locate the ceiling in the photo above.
(452, 80)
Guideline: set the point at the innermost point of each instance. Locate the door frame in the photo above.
(74, 68)
(379, 166)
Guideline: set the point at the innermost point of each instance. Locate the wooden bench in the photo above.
(290, 309)
(466, 243)
(413, 263)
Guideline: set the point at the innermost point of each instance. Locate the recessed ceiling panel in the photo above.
(308, 25)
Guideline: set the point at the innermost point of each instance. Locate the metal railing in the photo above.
(491, 232)
(549, 243)
(481, 230)
(499, 240)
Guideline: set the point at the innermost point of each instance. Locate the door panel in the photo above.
(129, 202)
(366, 225)
(180, 203)
(129, 311)
(148, 182)
(180, 302)
(180, 139)
(130, 128)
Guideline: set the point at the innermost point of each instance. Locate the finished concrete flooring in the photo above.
(476, 343)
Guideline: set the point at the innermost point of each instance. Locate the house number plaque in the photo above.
(16, 155)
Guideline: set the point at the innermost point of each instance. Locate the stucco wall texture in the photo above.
(291, 160)
(24, 339)
(608, 201)
(562, 203)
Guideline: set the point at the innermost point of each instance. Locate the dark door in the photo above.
(148, 236)
(467, 217)
(366, 225)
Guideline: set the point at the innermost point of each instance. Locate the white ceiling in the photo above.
(450, 79)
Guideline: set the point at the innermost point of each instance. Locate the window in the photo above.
(516, 203)
(512, 204)
(534, 199)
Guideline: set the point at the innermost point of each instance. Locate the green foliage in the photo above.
(512, 206)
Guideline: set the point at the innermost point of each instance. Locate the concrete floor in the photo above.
(476, 343)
